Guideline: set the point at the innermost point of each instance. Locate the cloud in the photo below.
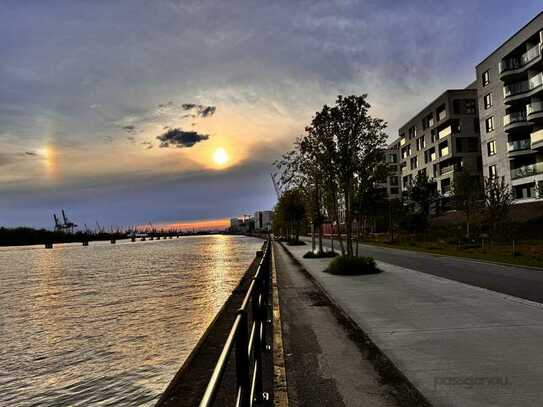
(179, 138)
(199, 110)
(129, 128)
(148, 145)
(31, 153)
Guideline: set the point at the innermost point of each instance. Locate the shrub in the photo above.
(321, 255)
(344, 265)
(296, 243)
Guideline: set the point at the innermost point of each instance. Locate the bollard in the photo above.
(133, 239)
(48, 245)
(113, 241)
(85, 243)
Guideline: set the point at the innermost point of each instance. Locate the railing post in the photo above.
(242, 359)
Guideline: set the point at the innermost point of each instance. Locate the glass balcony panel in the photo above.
(518, 62)
(527, 170)
(536, 137)
(534, 107)
(514, 117)
(518, 145)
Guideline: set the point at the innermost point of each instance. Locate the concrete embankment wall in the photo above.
(188, 385)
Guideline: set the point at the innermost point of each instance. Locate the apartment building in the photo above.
(442, 139)
(510, 100)
(393, 181)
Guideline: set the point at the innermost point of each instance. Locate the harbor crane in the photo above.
(65, 225)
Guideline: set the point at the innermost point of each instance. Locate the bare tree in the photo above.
(498, 200)
(468, 195)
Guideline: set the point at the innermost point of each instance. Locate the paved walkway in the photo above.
(460, 345)
(324, 364)
(523, 282)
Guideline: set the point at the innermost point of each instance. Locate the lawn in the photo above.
(528, 253)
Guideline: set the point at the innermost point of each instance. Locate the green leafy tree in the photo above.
(290, 213)
(422, 192)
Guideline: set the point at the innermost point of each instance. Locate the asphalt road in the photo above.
(517, 281)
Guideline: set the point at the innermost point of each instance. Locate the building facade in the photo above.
(442, 139)
(263, 221)
(510, 99)
(392, 160)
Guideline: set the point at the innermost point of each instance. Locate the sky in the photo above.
(129, 112)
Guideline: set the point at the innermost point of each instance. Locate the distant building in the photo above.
(510, 93)
(263, 221)
(392, 160)
(242, 224)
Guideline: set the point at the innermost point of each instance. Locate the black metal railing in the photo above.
(249, 343)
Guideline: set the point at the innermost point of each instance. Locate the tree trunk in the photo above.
(339, 229)
(313, 237)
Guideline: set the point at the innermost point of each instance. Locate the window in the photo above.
(488, 101)
(489, 124)
(430, 155)
(456, 106)
(428, 121)
(444, 149)
(491, 148)
(492, 172)
(469, 106)
(394, 191)
(393, 180)
(414, 163)
(433, 135)
(422, 173)
(420, 143)
(412, 132)
(486, 78)
(441, 113)
(393, 158)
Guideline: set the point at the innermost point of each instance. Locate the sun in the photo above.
(220, 156)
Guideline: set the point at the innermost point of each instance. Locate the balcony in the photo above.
(536, 139)
(534, 110)
(447, 169)
(514, 120)
(519, 90)
(517, 65)
(527, 170)
(519, 145)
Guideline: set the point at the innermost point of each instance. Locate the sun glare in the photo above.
(220, 156)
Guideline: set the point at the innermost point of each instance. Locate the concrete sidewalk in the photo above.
(325, 364)
(460, 345)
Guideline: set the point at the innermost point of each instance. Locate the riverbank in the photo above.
(189, 384)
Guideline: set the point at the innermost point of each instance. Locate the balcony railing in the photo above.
(515, 117)
(518, 62)
(534, 107)
(519, 145)
(517, 88)
(527, 170)
(536, 137)
(449, 168)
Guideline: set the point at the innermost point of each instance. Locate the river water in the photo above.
(107, 324)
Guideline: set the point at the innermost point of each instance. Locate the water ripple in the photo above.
(109, 325)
